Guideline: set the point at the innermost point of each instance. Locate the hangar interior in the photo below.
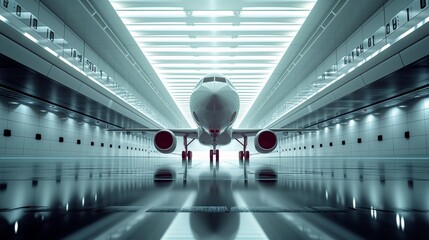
(354, 75)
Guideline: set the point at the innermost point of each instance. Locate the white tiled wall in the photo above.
(391, 123)
(25, 121)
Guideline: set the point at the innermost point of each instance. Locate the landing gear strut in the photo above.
(214, 152)
(243, 154)
(187, 154)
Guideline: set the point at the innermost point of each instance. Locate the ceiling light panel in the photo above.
(182, 45)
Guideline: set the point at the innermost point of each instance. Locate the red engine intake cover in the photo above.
(265, 141)
(165, 141)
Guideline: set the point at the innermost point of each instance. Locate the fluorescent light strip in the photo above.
(51, 51)
(27, 35)
(173, 39)
(213, 28)
(215, 58)
(274, 14)
(212, 49)
(212, 14)
(227, 72)
(3, 19)
(213, 65)
(152, 14)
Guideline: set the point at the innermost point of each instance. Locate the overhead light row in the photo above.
(162, 13)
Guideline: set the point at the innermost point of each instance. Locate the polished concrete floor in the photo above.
(164, 198)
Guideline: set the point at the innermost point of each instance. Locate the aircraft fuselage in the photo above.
(214, 107)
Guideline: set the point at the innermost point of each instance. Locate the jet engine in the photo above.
(165, 141)
(265, 141)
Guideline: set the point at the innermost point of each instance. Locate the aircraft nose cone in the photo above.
(212, 99)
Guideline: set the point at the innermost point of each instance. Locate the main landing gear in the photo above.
(187, 154)
(243, 154)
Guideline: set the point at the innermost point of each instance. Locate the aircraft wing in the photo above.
(239, 133)
(189, 132)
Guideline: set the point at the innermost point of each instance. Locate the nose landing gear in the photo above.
(214, 152)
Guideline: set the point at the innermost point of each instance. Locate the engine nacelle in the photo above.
(165, 141)
(265, 141)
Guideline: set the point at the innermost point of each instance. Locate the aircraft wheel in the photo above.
(240, 155)
(247, 155)
(189, 155)
(211, 155)
(217, 155)
(183, 155)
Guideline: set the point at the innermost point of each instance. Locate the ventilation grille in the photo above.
(99, 21)
(340, 4)
(88, 6)
(328, 20)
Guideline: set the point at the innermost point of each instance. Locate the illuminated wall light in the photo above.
(385, 47)
(83, 201)
(373, 213)
(16, 227)
(72, 65)
(408, 32)
(3, 19)
(51, 51)
(398, 221)
(30, 37)
(67, 207)
(354, 203)
(326, 195)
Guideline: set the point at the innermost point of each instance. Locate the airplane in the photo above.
(214, 105)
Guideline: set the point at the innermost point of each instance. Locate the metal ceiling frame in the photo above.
(243, 40)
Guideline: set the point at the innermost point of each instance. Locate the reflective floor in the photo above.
(269, 198)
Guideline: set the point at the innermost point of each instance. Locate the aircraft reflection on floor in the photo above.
(131, 198)
(215, 189)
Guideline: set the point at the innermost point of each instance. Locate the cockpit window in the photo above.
(212, 79)
(208, 79)
(220, 79)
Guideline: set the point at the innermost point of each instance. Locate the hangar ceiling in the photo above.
(184, 40)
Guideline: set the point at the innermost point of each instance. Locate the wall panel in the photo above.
(26, 121)
(391, 123)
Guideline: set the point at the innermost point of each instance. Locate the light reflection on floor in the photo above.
(270, 198)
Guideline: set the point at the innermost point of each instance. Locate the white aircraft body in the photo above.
(214, 106)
